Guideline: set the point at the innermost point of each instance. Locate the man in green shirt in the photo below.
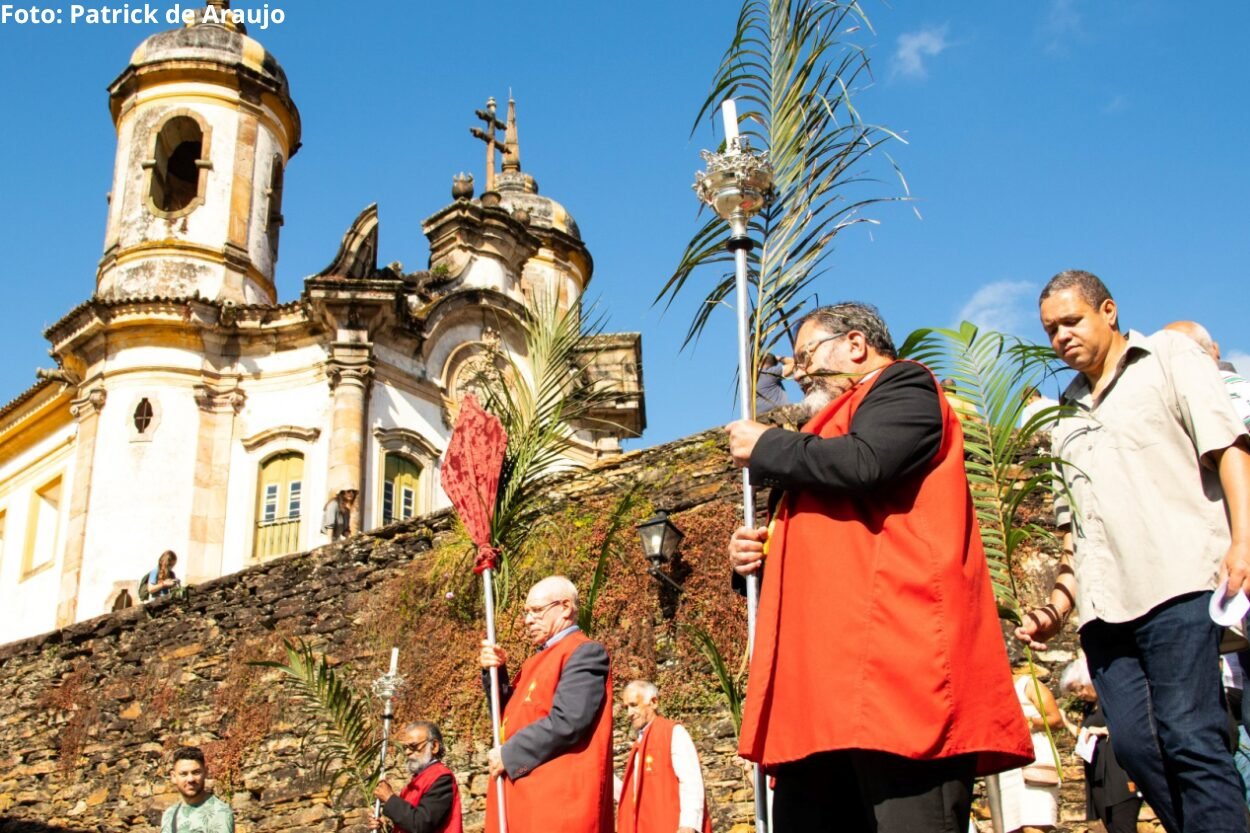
(199, 811)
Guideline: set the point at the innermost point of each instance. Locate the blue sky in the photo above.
(1040, 136)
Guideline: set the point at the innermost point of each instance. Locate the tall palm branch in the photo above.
(541, 401)
(792, 72)
(1005, 463)
(339, 725)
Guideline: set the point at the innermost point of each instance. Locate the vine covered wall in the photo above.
(90, 714)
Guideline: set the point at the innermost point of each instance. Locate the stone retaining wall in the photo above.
(89, 714)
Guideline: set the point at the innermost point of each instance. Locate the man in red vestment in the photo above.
(556, 757)
(879, 686)
(662, 790)
(430, 803)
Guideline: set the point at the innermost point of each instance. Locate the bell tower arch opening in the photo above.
(178, 168)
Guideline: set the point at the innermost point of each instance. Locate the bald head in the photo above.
(550, 607)
(552, 588)
(1199, 334)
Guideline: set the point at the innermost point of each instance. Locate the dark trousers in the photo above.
(1122, 817)
(875, 792)
(1158, 680)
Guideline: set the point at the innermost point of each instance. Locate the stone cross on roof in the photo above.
(489, 137)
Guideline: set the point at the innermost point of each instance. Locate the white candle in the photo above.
(394, 659)
(729, 111)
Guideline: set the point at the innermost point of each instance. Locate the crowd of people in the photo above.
(880, 684)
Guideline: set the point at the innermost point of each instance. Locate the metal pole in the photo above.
(994, 794)
(488, 592)
(384, 688)
(740, 243)
(387, 715)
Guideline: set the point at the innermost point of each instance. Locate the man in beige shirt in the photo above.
(1158, 510)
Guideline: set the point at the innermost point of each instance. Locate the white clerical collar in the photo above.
(558, 636)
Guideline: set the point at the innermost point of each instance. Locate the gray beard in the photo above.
(415, 767)
(816, 401)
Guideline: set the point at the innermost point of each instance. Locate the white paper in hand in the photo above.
(1225, 611)
(1086, 743)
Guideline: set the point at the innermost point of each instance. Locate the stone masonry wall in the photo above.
(89, 714)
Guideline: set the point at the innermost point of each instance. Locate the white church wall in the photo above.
(32, 543)
(142, 486)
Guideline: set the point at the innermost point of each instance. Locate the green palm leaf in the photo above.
(791, 71)
(1003, 463)
(542, 401)
(731, 685)
(610, 547)
(339, 727)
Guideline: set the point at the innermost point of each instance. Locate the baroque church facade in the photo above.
(192, 411)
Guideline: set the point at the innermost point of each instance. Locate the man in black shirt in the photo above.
(430, 803)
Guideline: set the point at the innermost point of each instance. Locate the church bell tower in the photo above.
(205, 127)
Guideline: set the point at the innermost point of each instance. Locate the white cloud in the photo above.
(1063, 23)
(914, 47)
(1117, 104)
(1239, 358)
(1005, 306)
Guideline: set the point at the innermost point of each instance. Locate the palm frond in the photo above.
(339, 727)
(731, 685)
(792, 71)
(1004, 464)
(542, 401)
(610, 547)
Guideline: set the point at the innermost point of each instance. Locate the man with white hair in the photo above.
(556, 757)
(1235, 385)
(663, 786)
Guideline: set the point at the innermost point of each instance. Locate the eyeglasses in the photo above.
(804, 357)
(539, 611)
(416, 747)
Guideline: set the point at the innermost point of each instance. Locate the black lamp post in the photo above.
(660, 540)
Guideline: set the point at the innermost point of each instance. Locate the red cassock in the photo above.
(572, 792)
(425, 779)
(657, 806)
(877, 624)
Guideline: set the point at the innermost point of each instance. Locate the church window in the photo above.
(275, 220)
(293, 499)
(279, 505)
(178, 167)
(399, 488)
(43, 527)
(123, 601)
(143, 415)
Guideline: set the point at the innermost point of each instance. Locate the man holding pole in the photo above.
(430, 803)
(556, 752)
(879, 685)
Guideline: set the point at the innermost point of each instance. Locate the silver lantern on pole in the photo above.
(737, 185)
(384, 688)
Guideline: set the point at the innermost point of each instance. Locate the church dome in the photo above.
(210, 46)
(518, 191)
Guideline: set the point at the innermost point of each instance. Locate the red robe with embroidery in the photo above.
(425, 779)
(657, 805)
(877, 625)
(572, 792)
